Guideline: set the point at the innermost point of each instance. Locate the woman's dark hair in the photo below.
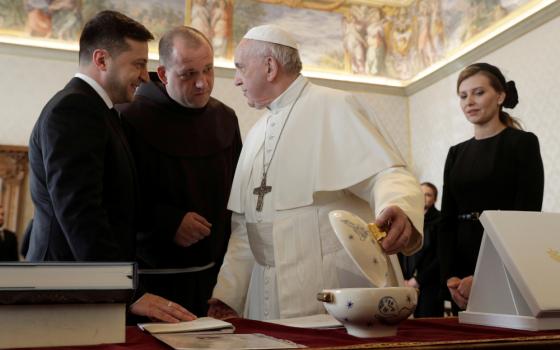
(498, 82)
(109, 30)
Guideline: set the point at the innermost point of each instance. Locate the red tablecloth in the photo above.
(411, 332)
(419, 332)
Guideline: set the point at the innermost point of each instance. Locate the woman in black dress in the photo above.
(499, 168)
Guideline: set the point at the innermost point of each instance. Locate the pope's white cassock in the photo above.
(329, 156)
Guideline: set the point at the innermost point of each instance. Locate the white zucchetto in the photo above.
(272, 34)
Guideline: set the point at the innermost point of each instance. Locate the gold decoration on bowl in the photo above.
(325, 297)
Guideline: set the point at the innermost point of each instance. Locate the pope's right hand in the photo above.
(193, 228)
(220, 310)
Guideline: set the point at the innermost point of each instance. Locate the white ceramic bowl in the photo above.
(370, 312)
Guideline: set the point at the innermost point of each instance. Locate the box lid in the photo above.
(363, 248)
(528, 245)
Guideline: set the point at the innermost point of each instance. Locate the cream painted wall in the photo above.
(26, 84)
(31, 76)
(532, 62)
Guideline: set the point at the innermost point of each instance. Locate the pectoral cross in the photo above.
(261, 191)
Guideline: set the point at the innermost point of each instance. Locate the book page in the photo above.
(313, 321)
(200, 324)
(186, 341)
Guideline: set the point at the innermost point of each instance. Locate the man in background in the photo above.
(186, 145)
(8, 241)
(422, 269)
(83, 179)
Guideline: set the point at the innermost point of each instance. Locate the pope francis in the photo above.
(315, 150)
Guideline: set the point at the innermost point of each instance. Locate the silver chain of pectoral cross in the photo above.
(263, 189)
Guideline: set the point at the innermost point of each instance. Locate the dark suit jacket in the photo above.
(8, 247)
(82, 181)
(425, 262)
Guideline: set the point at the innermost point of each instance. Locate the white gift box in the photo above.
(517, 277)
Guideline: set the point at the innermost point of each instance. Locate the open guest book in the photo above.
(63, 304)
(187, 341)
(515, 283)
(210, 333)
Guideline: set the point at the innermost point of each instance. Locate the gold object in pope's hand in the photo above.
(376, 232)
(554, 254)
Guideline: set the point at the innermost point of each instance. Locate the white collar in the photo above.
(98, 88)
(289, 95)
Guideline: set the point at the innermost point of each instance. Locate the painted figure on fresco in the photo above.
(66, 18)
(39, 20)
(212, 18)
(59, 19)
(425, 43)
(480, 15)
(355, 44)
(375, 38)
(437, 29)
(220, 26)
(398, 59)
(200, 17)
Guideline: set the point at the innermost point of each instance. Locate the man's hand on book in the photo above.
(160, 309)
(220, 310)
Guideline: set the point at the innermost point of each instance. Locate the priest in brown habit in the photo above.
(186, 146)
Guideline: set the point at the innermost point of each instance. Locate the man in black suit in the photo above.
(83, 180)
(421, 270)
(8, 241)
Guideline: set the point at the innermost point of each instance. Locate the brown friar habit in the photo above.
(186, 161)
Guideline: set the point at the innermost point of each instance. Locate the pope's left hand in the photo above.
(394, 221)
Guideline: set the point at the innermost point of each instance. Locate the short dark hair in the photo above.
(108, 30)
(193, 37)
(432, 186)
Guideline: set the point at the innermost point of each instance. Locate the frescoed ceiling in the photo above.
(392, 42)
(384, 42)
